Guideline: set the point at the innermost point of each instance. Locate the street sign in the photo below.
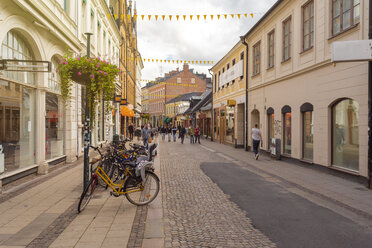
(355, 50)
(25, 65)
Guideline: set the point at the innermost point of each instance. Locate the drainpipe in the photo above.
(370, 104)
(212, 111)
(242, 38)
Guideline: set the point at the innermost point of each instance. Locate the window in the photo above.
(193, 80)
(215, 83)
(256, 59)
(270, 42)
(219, 78)
(53, 126)
(308, 26)
(228, 67)
(307, 131)
(179, 80)
(345, 13)
(345, 134)
(242, 58)
(287, 39)
(233, 62)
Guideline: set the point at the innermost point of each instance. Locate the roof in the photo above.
(204, 98)
(264, 17)
(184, 97)
(206, 107)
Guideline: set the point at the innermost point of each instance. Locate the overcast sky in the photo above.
(192, 40)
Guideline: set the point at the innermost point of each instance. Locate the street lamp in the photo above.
(87, 123)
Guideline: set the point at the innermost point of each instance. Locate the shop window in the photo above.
(230, 124)
(307, 131)
(345, 134)
(17, 127)
(287, 130)
(53, 126)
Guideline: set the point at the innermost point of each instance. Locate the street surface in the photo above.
(211, 195)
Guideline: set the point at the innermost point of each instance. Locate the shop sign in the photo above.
(202, 116)
(234, 72)
(117, 98)
(123, 102)
(231, 103)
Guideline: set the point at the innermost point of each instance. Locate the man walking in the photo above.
(163, 131)
(182, 133)
(197, 134)
(169, 132)
(257, 138)
(146, 132)
(131, 130)
(191, 133)
(174, 131)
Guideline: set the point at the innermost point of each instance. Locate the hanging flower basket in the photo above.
(97, 75)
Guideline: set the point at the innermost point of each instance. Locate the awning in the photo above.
(125, 111)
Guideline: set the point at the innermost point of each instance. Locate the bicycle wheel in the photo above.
(87, 193)
(142, 193)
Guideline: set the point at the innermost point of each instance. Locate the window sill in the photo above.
(287, 60)
(343, 32)
(270, 68)
(256, 75)
(307, 50)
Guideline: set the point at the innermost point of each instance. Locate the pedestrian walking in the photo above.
(257, 138)
(131, 130)
(169, 132)
(174, 131)
(137, 133)
(191, 133)
(182, 133)
(163, 131)
(197, 134)
(146, 132)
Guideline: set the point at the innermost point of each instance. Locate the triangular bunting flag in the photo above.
(245, 15)
(142, 16)
(208, 62)
(128, 17)
(204, 62)
(197, 16)
(225, 16)
(184, 18)
(152, 60)
(149, 17)
(135, 17)
(156, 60)
(181, 61)
(161, 61)
(108, 16)
(122, 17)
(190, 17)
(156, 17)
(238, 16)
(173, 61)
(170, 17)
(218, 16)
(200, 62)
(177, 61)
(252, 15)
(163, 16)
(211, 17)
(205, 17)
(116, 16)
(177, 16)
(232, 15)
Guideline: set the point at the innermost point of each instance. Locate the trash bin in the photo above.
(275, 148)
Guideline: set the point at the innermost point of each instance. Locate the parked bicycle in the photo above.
(138, 182)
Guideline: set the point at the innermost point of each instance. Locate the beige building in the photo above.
(318, 110)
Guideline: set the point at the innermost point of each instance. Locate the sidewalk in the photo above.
(350, 198)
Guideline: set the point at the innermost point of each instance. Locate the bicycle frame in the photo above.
(100, 172)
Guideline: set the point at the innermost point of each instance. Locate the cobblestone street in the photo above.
(197, 213)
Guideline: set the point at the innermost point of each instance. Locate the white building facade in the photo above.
(43, 130)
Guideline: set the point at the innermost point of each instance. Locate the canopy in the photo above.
(125, 111)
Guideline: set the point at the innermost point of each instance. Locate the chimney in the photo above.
(178, 69)
(185, 67)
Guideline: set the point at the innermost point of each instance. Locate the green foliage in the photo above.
(97, 75)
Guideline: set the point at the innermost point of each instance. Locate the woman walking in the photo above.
(174, 131)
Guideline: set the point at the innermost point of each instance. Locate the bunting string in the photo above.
(174, 61)
(203, 17)
(165, 83)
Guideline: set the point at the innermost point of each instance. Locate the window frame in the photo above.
(341, 17)
(284, 23)
(269, 47)
(308, 5)
(256, 59)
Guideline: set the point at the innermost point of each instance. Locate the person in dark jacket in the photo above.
(163, 131)
(131, 130)
(182, 134)
(174, 131)
(169, 132)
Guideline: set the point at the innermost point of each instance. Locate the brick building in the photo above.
(173, 84)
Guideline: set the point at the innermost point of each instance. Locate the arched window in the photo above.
(307, 131)
(14, 46)
(54, 78)
(345, 134)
